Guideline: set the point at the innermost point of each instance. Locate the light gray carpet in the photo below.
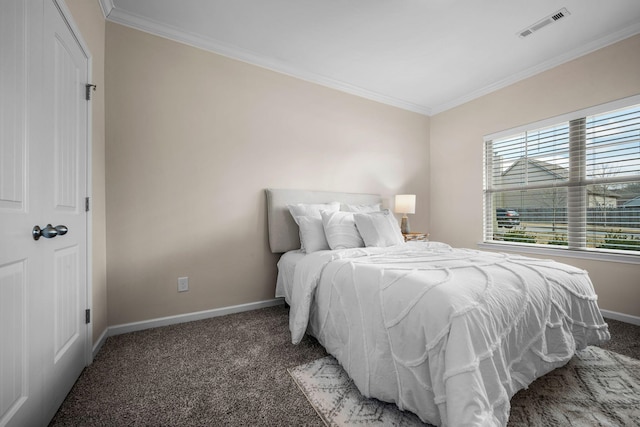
(229, 370)
(596, 388)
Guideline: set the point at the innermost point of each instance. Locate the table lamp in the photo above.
(405, 204)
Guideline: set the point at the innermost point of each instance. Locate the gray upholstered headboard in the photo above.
(283, 231)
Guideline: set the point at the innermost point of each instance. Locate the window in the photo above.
(569, 183)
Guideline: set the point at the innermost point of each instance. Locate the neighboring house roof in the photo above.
(610, 194)
(633, 203)
(554, 172)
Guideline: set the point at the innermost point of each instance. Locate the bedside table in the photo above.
(416, 237)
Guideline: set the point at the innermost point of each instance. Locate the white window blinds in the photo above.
(573, 184)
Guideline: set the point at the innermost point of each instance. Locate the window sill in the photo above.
(560, 252)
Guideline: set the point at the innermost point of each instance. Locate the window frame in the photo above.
(541, 249)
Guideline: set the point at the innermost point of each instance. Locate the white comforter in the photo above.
(449, 334)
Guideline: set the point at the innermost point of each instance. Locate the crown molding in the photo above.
(610, 39)
(106, 6)
(160, 29)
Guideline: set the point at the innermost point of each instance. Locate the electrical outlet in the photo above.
(183, 284)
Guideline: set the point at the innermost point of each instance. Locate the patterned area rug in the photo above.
(596, 388)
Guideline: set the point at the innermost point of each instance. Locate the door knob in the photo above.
(49, 231)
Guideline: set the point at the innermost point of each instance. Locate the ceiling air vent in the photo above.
(562, 13)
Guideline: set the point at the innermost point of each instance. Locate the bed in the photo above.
(450, 334)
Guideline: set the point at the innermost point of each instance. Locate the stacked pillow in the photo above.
(309, 220)
(379, 229)
(340, 230)
(324, 226)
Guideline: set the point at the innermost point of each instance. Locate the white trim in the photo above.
(585, 49)
(89, 214)
(77, 34)
(165, 321)
(556, 120)
(99, 343)
(106, 6)
(626, 318)
(160, 29)
(596, 255)
(190, 317)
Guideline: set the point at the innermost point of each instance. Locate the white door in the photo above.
(20, 378)
(43, 178)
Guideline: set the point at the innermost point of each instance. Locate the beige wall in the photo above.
(194, 138)
(91, 23)
(457, 143)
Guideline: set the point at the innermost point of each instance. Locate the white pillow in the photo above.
(340, 230)
(379, 228)
(312, 236)
(312, 210)
(362, 208)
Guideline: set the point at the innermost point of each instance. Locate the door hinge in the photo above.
(88, 88)
(86, 204)
(87, 316)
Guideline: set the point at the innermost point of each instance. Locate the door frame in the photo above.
(68, 17)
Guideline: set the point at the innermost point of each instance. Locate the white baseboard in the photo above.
(181, 318)
(627, 318)
(200, 315)
(98, 345)
(190, 317)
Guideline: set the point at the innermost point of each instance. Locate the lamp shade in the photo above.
(405, 203)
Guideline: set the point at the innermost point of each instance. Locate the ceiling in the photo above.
(421, 55)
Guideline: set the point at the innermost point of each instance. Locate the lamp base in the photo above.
(404, 225)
